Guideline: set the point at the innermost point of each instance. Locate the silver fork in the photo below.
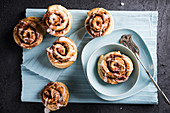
(127, 41)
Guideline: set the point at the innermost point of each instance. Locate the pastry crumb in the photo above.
(122, 3)
(121, 108)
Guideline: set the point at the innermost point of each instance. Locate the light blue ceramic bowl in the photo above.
(105, 88)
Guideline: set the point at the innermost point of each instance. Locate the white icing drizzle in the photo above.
(52, 92)
(64, 31)
(22, 45)
(23, 22)
(49, 50)
(50, 26)
(102, 63)
(104, 66)
(92, 31)
(118, 62)
(55, 61)
(28, 31)
(105, 16)
(72, 58)
(46, 101)
(31, 39)
(72, 51)
(46, 110)
(52, 18)
(61, 97)
(113, 80)
(109, 59)
(59, 7)
(57, 46)
(25, 39)
(116, 74)
(49, 30)
(105, 78)
(101, 27)
(59, 105)
(20, 29)
(53, 32)
(90, 21)
(129, 70)
(100, 9)
(107, 71)
(67, 40)
(122, 65)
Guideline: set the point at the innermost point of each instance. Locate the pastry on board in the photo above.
(62, 53)
(54, 96)
(99, 22)
(29, 32)
(57, 21)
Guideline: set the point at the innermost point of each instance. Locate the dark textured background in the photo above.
(11, 11)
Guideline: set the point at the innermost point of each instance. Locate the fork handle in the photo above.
(159, 89)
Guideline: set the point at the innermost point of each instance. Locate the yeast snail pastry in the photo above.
(114, 67)
(62, 53)
(57, 20)
(28, 33)
(99, 22)
(54, 96)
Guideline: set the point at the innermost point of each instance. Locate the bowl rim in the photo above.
(99, 91)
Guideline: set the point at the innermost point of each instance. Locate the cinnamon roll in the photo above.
(54, 96)
(28, 32)
(114, 67)
(62, 53)
(99, 22)
(57, 20)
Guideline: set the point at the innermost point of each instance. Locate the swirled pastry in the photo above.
(54, 96)
(114, 67)
(57, 20)
(62, 53)
(28, 32)
(99, 22)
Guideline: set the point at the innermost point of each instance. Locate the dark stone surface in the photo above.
(11, 11)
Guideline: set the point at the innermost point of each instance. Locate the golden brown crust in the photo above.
(55, 95)
(62, 53)
(114, 67)
(28, 32)
(57, 20)
(99, 22)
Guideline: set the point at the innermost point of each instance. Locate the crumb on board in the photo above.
(122, 3)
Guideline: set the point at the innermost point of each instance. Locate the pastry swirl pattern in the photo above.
(114, 67)
(57, 20)
(99, 22)
(28, 32)
(54, 96)
(62, 53)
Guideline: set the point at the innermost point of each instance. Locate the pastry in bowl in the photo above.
(99, 22)
(28, 33)
(57, 20)
(54, 96)
(62, 53)
(114, 67)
